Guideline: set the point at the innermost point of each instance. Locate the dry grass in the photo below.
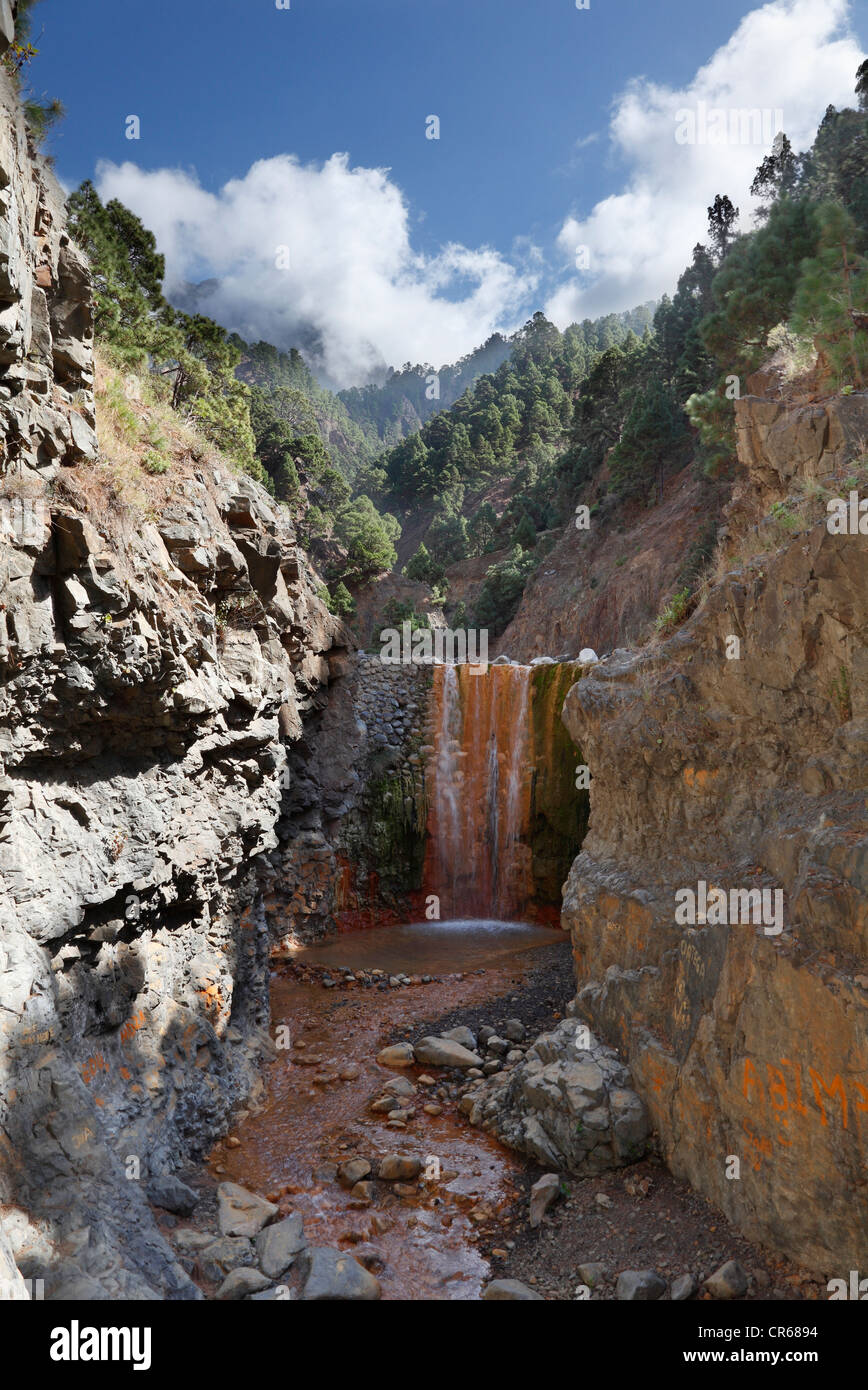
(145, 451)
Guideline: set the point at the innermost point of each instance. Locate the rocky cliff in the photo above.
(732, 756)
(159, 653)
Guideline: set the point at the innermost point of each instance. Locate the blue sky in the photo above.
(556, 129)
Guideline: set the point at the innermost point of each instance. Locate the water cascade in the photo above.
(505, 818)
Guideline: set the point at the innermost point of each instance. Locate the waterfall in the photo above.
(505, 818)
(478, 861)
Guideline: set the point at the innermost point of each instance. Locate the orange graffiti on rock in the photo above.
(784, 1093)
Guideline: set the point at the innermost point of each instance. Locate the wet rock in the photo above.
(396, 1167)
(332, 1275)
(364, 1192)
(353, 1171)
(639, 1285)
(278, 1245)
(545, 1191)
(242, 1213)
(510, 1290)
(730, 1281)
(371, 1256)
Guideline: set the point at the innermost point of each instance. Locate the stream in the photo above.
(316, 1111)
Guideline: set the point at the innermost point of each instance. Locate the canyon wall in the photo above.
(734, 754)
(156, 663)
(353, 824)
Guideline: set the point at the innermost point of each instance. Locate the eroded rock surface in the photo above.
(154, 669)
(568, 1104)
(744, 771)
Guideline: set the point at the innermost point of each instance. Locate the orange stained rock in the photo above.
(698, 778)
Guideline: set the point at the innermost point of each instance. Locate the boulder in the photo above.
(395, 1168)
(442, 1052)
(542, 1194)
(333, 1275)
(240, 1283)
(510, 1290)
(730, 1281)
(639, 1285)
(166, 1191)
(398, 1055)
(242, 1213)
(460, 1035)
(278, 1245)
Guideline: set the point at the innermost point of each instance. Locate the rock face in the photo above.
(154, 670)
(568, 1104)
(733, 756)
(353, 822)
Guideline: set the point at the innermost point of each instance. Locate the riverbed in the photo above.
(420, 1240)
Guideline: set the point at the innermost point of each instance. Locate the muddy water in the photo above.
(312, 1116)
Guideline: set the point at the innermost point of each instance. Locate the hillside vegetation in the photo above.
(533, 424)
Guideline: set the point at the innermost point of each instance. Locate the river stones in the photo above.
(639, 1285)
(242, 1213)
(278, 1245)
(730, 1281)
(395, 1167)
(398, 1055)
(222, 1255)
(510, 1290)
(682, 1288)
(400, 1086)
(443, 1052)
(240, 1283)
(542, 1194)
(461, 1035)
(353, 1170)
(166, 1191)
(335, 1275)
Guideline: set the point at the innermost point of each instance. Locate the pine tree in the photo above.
(832, 283)
(524, 534)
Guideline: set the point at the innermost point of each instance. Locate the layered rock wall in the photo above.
(733, 755)
(155, 666)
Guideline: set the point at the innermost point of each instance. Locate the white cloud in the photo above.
(358, 296)
(355, 295)
(795, 56)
